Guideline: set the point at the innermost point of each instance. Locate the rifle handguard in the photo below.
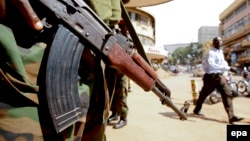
(145, 75)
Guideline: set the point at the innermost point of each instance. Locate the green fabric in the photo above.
(119, 101)
(11, 57)
(32, 55)
(112, 8)
(20, 113)
(118, 91)
(9, 50)
(28, 112)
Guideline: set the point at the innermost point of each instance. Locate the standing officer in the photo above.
(119, 105)
(22, 112)
(118, 87)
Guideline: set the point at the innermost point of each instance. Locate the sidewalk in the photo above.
(148, 120)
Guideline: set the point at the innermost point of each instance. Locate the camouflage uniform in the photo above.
(23, 114)
(118, 86)
(119, 99)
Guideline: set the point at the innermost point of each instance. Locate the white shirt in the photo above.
(215, 62)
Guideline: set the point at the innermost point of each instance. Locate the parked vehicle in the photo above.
(243, 85)
(176, 71)
(165, 66)
(215, 96)
(172, 68)
(198, 72)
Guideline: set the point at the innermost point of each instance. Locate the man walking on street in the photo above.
(214, 65)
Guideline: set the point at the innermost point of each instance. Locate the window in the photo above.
(248, 37)
(241, 8)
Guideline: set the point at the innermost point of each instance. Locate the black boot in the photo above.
(121, 123)
(113, 117)
(235, 119)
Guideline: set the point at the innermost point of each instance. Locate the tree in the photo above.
(191, 53)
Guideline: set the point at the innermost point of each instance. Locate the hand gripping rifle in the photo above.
(77, 25)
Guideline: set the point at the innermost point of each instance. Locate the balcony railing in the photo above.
(238, 34)
(245, 43)
(243, 59)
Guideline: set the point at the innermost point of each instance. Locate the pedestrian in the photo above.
(214, 65)
(22, 112)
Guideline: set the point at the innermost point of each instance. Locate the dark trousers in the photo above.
(118, 92)
(210, 83)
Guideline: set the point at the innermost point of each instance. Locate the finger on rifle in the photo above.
(27, 11)
(2, 9)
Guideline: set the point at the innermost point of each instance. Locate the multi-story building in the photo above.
(235, 32)
(144, 24)
(207, 33)
(172, 47)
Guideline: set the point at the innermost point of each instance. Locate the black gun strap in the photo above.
(137, 43)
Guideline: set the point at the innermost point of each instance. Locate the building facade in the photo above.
(207, 33)
(234, 29)
(172, 47)
(144, 24)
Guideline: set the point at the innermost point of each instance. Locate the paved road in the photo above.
(148, 120)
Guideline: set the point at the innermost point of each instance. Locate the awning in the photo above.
(143, 3)
(155, 52)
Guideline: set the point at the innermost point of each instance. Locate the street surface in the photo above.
(149, 120)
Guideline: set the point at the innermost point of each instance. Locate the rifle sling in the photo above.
(137, 43)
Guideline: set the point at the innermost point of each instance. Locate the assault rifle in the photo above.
(73, 26)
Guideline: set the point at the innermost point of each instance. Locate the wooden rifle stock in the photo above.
(134, 67)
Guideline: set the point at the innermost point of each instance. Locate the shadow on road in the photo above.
(206, 118)
(175, 116)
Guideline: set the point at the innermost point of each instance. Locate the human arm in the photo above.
(232, 69)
